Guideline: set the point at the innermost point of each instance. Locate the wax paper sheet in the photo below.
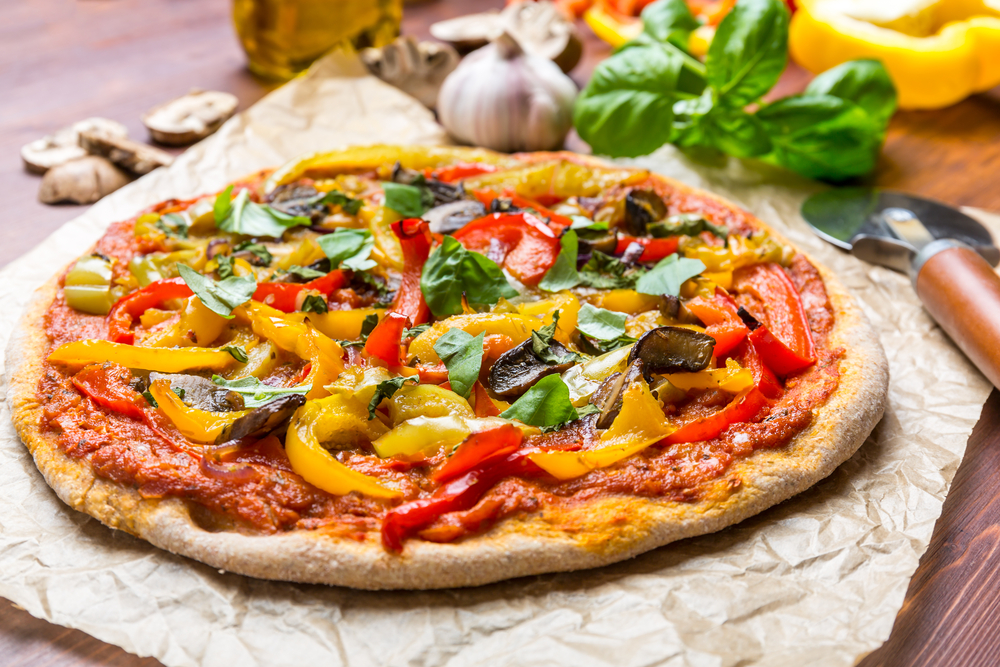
(815, 581)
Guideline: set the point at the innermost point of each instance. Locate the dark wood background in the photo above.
(65, 60)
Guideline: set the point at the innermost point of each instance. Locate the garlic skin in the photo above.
(502, 98)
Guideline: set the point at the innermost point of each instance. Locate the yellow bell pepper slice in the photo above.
(343, 324)
(197, 425)
(625, 301)
(516, 326)
(639, 424)
(565, 302)
(936, 53)
(337, 417)
(733, 378)
(195, 318)
(164, 360)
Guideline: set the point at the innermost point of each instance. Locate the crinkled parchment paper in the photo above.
(815, 581)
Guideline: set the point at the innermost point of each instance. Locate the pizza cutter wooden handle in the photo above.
(962, 292)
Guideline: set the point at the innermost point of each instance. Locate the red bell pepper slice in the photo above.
(459, 494)
(556, 221)
(765, 379)
(528, 246)
(432, 373)
(653, 249)
(478, 449)
(485, 407)
(721, 317)
(415, 238)
(131, 306)
(785, 343)
(386, 339)
(457, 172)
(108, 385)
(286, 296)
(743, 408)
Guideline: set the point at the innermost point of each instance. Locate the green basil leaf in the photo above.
(541, 344)
(588, 409)
(545, 404)
(563, 273)
(451, 270)
(350, 205)
(314, 303)
(748, 52)
(669, 21)
(736, 132)
(368, 325)
(255, 393)
(821, 136)
(686, 224)
(304, 272)
(462, 354)
(251, 219)
(225, 263)
(223, 205)
(583, 222)
(219, 297)
(668, 275)
(600, 323)
(864, 82)
(173, 224)
(606, 272)
(348, 248)
(237, 353)
(626, 109)
(149, 399)
(384, 390)
(415, 331)
(407, 200)
(262, 256)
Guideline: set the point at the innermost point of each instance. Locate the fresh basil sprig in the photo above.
(350, 205)
(239, 215)
(650, 93)
(545, 404)
(452, 271)
(410, 201)
(255, 393)
(222, 296)
(349, 248)
(386, 389)
(462, 354)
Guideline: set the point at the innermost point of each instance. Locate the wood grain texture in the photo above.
(64, 60)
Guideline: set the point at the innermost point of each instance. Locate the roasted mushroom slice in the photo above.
(444, 193)
(449, 218)
(518, 369)
(642, 207)
(672, 309)
(264, 419)
(673, 350)
(608, 396)
(198, 392)
(302, 200)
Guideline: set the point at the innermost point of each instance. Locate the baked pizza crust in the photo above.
(587, 534)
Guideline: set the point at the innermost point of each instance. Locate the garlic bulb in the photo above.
(502, 98)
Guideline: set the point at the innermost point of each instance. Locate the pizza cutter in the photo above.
(948, 256)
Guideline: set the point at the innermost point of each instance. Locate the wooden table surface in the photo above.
(64, 60)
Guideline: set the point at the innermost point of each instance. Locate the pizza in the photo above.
(413, 367)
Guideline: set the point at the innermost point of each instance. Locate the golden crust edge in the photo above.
(520, 546)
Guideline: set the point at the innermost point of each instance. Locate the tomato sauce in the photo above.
(251, 486)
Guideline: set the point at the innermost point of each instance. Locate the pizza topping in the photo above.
(198, 392)
(672, 350)
(520, 242)
(202, 426)
(452, 272)
(262, 420)
(642, 208)
(451, 217)
(462, 355)
(240, 215)
(609, 396)
(415, 240)
(165, 360)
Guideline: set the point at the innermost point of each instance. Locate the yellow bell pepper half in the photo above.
(164, 360)
(936, 53)
(345, 420)
(639, 424)
(197, 425)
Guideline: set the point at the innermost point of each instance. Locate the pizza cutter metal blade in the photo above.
(948, 255)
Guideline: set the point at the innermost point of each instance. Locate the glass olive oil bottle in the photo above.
(283, 37)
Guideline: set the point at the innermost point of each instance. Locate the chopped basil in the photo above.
(222, 296)
(667, 277)
(410, 201)
(243, 216)
(367, 326)
(583, 222)
(172, 224)
(262, 255)
(350, 205)
(237, 353)
(225, 263)
(223, 205)
(686, 224)
(314, 303)
(563, 273)
(255, 393)
(462, 354)
(452, 271)
(386, 389)
(303, 272)
(415, 331)
(600, 323)
(545, 404)
(180, 391)
(541, 344)
(588, 409)
(149, 399)
(348, 248)
(607, 272)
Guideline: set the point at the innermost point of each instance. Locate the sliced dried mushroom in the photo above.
(191, 117)
(539, 27)
(303, 200)
(81, 181)
(198, 392)
(444, 193)
(451, 217)
(643, 207)
(673, 350)
(416, 68)
(518, 369)
(263, 420)
(608, 396)
(42, 154)
(131, 155)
